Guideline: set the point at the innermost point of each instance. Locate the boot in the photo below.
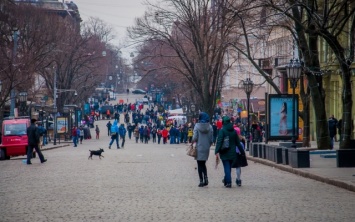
(201, 183)
(206, 181)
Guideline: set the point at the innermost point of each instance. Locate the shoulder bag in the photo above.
(191, 151)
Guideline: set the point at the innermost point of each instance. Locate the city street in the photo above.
(151, 182)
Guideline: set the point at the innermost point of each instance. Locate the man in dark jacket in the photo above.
(332, 124)
(33, 142)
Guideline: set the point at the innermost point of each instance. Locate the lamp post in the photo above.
(294, 70)
(43, 102)
(193, 109)
(248, 88)
(55, 107)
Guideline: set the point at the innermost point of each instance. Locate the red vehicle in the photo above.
(14, 137)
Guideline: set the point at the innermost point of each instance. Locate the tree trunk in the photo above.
(347, 109)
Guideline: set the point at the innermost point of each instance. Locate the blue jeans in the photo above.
(75, 140)
(332, 142)
(113, 138)
(227, 165)
(172, 140)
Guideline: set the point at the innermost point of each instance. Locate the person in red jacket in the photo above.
(165, 134)
(219, 125)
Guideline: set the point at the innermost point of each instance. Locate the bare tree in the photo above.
(198, 34)
(328, 21)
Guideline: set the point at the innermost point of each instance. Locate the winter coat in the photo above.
(122, 131)
(203, 136)
(228, 130)
(114, 127)
(136, 132)
(33, 135)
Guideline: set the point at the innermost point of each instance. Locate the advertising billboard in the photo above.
(62, 123)
(280, 116)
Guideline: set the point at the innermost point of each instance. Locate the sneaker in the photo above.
(45, 160)
(228, 185)
(109, 147)
(29, 163)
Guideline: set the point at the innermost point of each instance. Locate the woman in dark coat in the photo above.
(203, 136)
(230, 154)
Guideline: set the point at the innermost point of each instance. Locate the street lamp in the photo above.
(192, 109)
(23, 101)
(248, 88)
(294, 70)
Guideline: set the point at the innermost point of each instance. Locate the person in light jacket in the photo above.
(203, 137)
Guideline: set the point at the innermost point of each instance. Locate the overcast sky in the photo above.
(120, 14)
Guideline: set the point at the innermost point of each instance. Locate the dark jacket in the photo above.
(228, 130)
(33, 135)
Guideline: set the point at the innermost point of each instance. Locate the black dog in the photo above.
(96, 152)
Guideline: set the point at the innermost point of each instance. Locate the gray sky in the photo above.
(119, 14)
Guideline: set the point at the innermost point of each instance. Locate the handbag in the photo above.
(191, 151)
(240, 161)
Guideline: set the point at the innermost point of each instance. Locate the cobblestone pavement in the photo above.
(150, 182)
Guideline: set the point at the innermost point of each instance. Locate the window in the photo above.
(15, 129)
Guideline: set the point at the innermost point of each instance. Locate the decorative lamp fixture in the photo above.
(23, 96)
(248, 88)
(294, 70)
(193, 107)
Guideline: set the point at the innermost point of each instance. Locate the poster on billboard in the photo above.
(280, 116)
(62, 124)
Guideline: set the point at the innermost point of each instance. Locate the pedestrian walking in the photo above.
(203, 137)
(130, 129)
(122, 131)
(159, 135)
(81, 134)
(97, 130)
(136, 134)
(154, 134)
(114, 135)
(146, 134)
(332, 125)
(74, 135)
(190, 133)
(141, 133)
(238, 162)
(165, 134)
(33, 142)
(108, 125)
(41, 134)
(117, 116)
(228, 154)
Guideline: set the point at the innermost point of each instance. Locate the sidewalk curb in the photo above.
(55, 147)
(298, 172)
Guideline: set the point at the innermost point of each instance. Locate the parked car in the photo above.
(138, 91)
(14, 137)
(145, 101)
